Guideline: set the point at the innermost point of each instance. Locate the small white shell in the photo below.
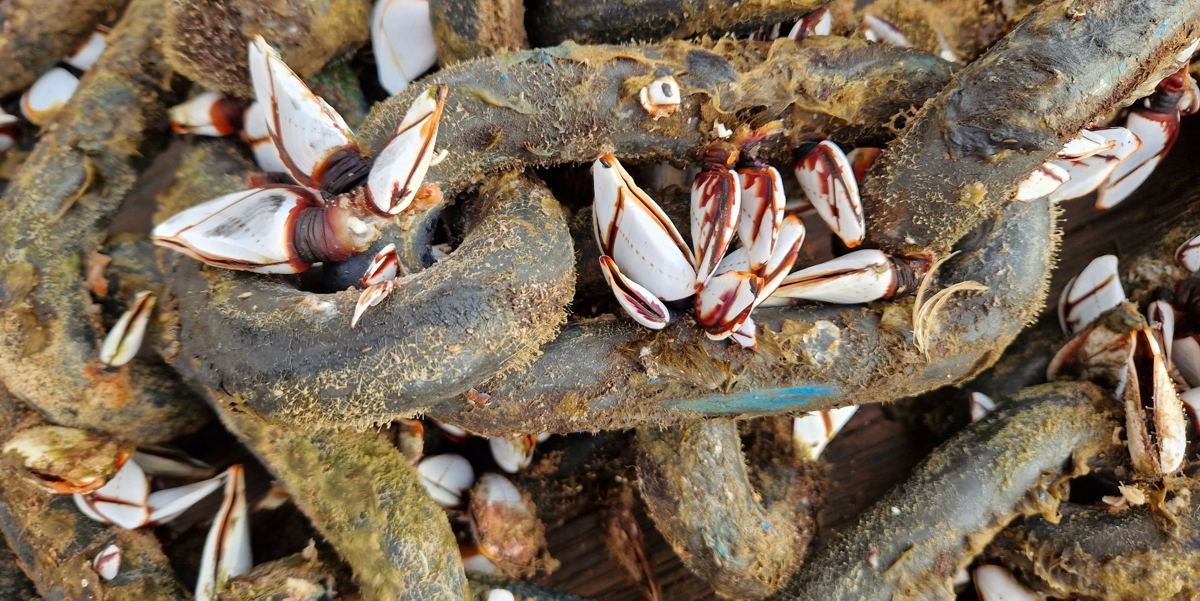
(402, 39)
(632, 229)
(638, 302)
(385, 266)
(828, 180)
(125, 338)
(512, 454)
(1090, 172)
(372, 295)
(251, 230)
(994, 583)
(1044, 180)
(108, 562)
(8, 134)
(446, 477)
(1188, 254)
(401, 166)
(1191, 401)
(494, 488)
(858, 277)
(499, 594)
(48, 95)
(166, 505)
(122, 501)
(255, 133)
(1095, 290)
(89, 51)
(1185, 354)
(762, 210)
(660, 97)
(226, 552)
(474, 561)
(1157, 132)
(812, 431)
(453, 432)
(207, 114)
(877, 29)
(305, 128)
(981, 405)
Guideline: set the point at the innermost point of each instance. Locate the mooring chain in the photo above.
(477, 338)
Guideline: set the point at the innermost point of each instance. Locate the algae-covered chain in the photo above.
(54, 215)
(746, 544)
(913, 541)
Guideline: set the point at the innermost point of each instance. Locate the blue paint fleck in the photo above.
(765, 526)
(503, 78)
(758, 401)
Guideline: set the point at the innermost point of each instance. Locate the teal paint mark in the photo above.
(758, 401)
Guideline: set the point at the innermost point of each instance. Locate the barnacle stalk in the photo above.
(484, 309)
(52, 219)
(1010, 463)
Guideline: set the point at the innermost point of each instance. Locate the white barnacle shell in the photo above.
(513, 453)
(858, 277)
(1188, 254)
(402, 40)
(308, 133)
(48, 95)
(122, 501)
(660, 97)
(639, 237)
(256, 134)
(251, 230)
(1090, 167)
(1095, 290)
(995, 583)
(446, 477)
(814, 430)
(207, 114)
(1157, 132)
(89, 51)
(108, 562)
(125, 338)
(226, 551)
(828, 180)
(402, 164)
(1044, 180)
